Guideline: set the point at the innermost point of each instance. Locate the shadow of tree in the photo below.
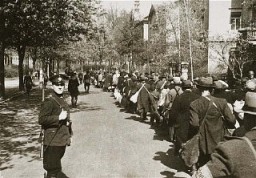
(19, 128)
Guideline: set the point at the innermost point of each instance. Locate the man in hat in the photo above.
(216, 116)
(175, 90)
(54, 117)
(236, 157)
(179, 114)
(144, 104)
(87, 81)
(220, 91)
(73, 84)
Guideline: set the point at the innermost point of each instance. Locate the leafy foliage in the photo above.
(45, 23)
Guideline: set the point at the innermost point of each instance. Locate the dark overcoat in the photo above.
(28, 82)
(73, 86)
(108, 80)
(213, 130)
(179, 114)
(234, 158)
(144, 102)
(56, 133)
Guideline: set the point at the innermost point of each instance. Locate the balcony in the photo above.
(249, 33)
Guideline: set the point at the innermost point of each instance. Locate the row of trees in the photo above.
(179, 33)
(44, 28)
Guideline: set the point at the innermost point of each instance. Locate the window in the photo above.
(235, 23)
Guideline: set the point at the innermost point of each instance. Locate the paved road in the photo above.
(106, 143)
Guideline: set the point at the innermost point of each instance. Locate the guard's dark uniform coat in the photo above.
(49, 119)
(56, 134)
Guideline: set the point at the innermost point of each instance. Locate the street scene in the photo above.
(128, 89)
(106, 142)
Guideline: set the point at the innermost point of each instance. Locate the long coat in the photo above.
(49, 120)
(213, 131)
(73, 86)
(179, 114)
(28, 83)
(144, 99)
(233, 158)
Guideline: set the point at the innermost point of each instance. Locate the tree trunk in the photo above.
(2, 87)
(21, 52)
(58, 66)
(51, 67)
(34, 58)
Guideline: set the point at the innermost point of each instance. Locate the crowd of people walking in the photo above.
(205, 118)
(212, 127)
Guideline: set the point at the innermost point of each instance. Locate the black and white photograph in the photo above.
(127, 88)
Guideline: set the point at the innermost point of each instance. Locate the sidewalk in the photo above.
(12, 88)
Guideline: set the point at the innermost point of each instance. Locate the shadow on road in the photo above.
(167, 158)
(170, 160)
(84, 107)
(19, 128)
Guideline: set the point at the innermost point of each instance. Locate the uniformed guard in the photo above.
(54, 117)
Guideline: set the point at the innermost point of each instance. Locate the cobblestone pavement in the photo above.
(107, 142)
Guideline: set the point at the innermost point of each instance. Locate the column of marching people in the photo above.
(200, 116)
(208, 123)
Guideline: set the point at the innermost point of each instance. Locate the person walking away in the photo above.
(179, 113)
(73, 89)
(107, 82)
(146, 102)
(115, 78)
(143, 101)
(121, 82)
(80, 77)
(175, 90)
(54, 117)
(216, 116)
(28, 83)
(100, 79)
(237, 156)
(87, 82)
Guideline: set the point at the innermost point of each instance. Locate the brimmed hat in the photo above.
(220, 85)
(251, 85)
(206, 82)
(176, 81)
(143, 78)
(186, 84)
(162, 76)
(150, 77)
(250, 103)
(58, 79)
